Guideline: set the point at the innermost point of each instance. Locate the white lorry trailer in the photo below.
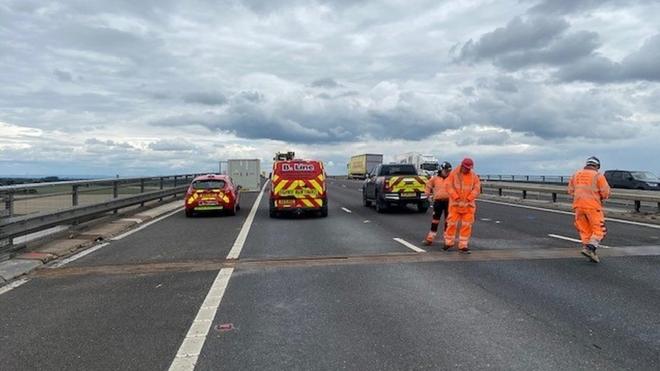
(425, 164)
(246, 173)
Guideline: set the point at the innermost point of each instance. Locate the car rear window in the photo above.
(209, 184)
(298, 169)
(387, 170)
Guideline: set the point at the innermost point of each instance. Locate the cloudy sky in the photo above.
(163, 86)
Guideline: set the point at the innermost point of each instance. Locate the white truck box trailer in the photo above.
(246, 173)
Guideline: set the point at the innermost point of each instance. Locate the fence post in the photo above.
(561, 179)
(9, 204)
(74, 195)
(638, 205)
(543, 178)
(527, 178)
(659, 207)
(499, 191)
(162, 181)
(524, 194)
(142, 190)
(554, 196)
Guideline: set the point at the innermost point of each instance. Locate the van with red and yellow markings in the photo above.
(298, 186)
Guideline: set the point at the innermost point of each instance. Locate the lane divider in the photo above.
(347, 210)
(408, 244)
(12, 285)
(559, 237)
(191, 347)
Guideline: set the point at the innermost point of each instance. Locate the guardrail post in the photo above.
(543, 178)
(499, 191)
(500, 177)
(74, 195)
(524, 194)
(175, 179)
(162, 182)
(142, 190)
(527, 178)
(554, 196)
(659, 207)
(638, 205)
(561, 179)
(115, 192)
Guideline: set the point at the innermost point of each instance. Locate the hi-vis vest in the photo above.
(437, 187)
(463, 189)
(588, 188)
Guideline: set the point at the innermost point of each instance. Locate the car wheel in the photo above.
(232, 211)
(189, 213)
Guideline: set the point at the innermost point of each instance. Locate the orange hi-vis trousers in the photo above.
(590, 223)
(466, 217)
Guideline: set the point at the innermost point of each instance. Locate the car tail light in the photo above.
(386, 186)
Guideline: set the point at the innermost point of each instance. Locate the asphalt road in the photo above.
(298, 299)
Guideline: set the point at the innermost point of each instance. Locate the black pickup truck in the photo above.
(395, 185)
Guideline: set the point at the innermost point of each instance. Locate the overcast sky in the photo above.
(162, 86)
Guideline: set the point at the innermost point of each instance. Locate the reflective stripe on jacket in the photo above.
(463, 189)
(436, 186)
(588, 188)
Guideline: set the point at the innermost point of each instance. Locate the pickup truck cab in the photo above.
(395, 185)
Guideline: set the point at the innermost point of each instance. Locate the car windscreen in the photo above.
(645, 176)
(209, 184)
(397, 170)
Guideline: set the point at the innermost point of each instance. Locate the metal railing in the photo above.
(545, 179)
(28, 208)
(636, 198)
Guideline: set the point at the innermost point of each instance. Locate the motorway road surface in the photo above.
(342, 293)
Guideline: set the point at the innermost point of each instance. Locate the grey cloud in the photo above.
(572, 6)
(206, 98)
(326, 83)
(108, 143)
(174, 145)
(63, 76)
(519, 34)
(641, 65)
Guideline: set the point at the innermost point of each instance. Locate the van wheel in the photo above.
(324, 210)
(271, 210)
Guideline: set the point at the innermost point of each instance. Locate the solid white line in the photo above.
(191, 347)
(571, 213)
(79, 255)
(145, 225)
(408, 244)
(347, 210)
(572, 239)
(192, 344)
(12, 285)
(242, 235)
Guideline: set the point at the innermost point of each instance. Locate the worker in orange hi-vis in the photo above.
(437, 189)
(463, 187)
(589, 188)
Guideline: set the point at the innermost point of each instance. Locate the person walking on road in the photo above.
(437, 188)
(589, 188)
(463, 187)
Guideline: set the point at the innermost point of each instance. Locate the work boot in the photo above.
(590, 252)
(446, 247)
(429, 239)
(465, 250)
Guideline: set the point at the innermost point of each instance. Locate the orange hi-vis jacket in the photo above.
(463, 189)
(588, 188)
(437, 186)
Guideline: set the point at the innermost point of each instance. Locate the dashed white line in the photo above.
(571, 239)
(347, 210)
(655, 226)
(191, 347)
(408, 244)
(79, 255)
(12, 285)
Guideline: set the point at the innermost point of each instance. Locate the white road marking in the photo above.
(79, 255)
(192, 344)
(242, 235)
(571, 213)
(13, 285)
(145, 225)
(486, 219)
(347, 210)
(408, 244)
(572, 239)
(191, 347)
